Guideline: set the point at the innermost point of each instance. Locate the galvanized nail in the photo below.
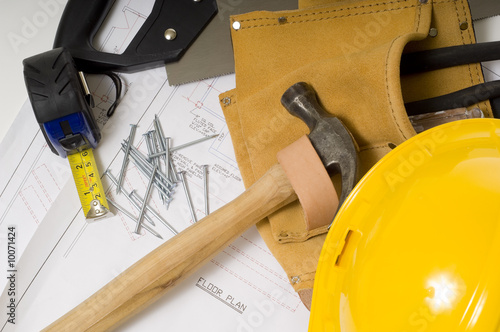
(131, 136)
(134, 204)
(159, 132)
(157, 183)
(167, 157)
(205, 188)
(188, 197)
(175, 148)
(146, 197)
(153, 212)
(128, 214)
(147, 164)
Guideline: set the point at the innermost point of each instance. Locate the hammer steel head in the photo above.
(330, 138)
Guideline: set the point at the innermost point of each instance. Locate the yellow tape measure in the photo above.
(88, 183)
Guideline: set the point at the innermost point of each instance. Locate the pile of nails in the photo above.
(158, 167)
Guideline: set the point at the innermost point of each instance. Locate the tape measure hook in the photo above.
(96, 209)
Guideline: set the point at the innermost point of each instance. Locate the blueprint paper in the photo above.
(90, 254)
(243, 288)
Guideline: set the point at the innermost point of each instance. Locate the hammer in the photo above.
(328, 148)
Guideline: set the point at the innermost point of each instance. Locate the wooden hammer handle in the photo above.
(156, 273)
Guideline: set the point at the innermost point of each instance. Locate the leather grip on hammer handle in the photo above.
(159, 271)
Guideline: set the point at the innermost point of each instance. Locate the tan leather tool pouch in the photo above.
(349, 52)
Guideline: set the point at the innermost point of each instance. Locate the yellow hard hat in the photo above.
(416, 246)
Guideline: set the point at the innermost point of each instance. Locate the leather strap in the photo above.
(311, 183)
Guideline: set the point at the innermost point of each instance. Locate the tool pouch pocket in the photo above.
(350, 53)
